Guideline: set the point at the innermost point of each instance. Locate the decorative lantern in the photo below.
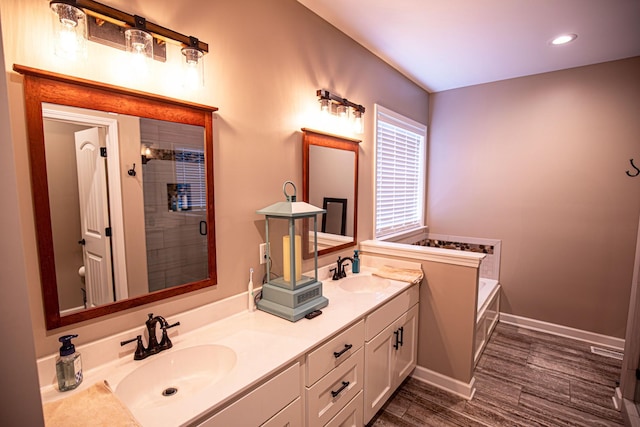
(291, 295)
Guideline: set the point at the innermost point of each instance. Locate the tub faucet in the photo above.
(153, 346)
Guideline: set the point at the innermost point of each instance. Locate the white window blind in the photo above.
(400, 171)
(190, 169)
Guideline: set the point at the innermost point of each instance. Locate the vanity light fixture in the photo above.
(563, 39)
(193, 64)
(138, 41)
(87, 19)
(346, 110)
(70, 29)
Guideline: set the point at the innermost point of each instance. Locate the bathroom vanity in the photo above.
(335, 369)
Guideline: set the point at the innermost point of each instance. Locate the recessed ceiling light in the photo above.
(563, 39)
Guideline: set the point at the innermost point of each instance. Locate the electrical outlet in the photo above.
(263, 253)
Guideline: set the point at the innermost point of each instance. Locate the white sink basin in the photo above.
(364, 284)
(167, 377)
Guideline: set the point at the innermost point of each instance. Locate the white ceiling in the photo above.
(445, 44)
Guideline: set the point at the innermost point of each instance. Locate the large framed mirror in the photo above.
(123, 195)
(330, 180)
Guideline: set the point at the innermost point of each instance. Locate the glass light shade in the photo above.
(325, 106)
(358, 121)
(139, 43)
(70, 31)
(193, 68)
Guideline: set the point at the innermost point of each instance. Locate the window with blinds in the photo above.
(190, 173)
(400, 173)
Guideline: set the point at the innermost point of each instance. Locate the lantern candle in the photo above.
(286, 257)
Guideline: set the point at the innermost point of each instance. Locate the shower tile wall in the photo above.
(176, 251)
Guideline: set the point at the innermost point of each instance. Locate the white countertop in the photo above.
(263, 343)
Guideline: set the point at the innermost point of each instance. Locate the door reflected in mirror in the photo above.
(330, 170)
(92, 230)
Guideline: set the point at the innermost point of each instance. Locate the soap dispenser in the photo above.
(355, 265)
(68, 365)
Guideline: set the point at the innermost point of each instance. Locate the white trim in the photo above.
(408, 237)
(72, 310)
(630, 413)
(396, 119)
(617, 399)
(563, 331)
(115, 192)
(422, 253)
(457, 387)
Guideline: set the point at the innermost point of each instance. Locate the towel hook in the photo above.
(132, 171)
(635, 167)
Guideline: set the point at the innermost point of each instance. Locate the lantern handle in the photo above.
(290, 198)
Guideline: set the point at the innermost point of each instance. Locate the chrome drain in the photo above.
(169, 391)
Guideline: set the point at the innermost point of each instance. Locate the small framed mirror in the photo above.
(330, 180)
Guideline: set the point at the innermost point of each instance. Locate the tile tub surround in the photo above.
(524, 378)
(263, 343)
(490, 267)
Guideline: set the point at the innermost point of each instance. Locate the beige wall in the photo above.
(266, 60)
(448, 303)
(540, 163)
(18, 366)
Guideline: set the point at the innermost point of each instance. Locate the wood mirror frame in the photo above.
(42, 86)
(310, 138)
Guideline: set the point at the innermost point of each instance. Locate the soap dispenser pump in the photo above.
(355, 265)
(68, 365)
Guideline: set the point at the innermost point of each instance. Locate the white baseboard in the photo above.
(449, 384)
(564, 331)
(617, 399)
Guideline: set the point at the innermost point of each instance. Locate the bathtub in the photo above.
(486, 290)
(488, 313)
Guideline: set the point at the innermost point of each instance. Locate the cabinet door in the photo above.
(406, 354)
(378, 365)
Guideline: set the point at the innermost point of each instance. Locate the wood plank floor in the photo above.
(523, 378)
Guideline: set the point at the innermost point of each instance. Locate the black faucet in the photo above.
(153, 346)
(338, 272)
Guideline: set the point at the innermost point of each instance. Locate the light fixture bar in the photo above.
(325, 94)
(118, 17)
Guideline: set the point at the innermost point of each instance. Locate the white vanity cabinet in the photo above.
(275, 403)
(391, 340)
(334, 380)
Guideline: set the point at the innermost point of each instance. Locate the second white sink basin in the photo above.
(168, 377)
(364, 284)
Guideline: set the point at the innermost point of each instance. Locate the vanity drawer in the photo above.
(382, 317)
(326, 398)
(351, 415)
(260, 404)
(334, 352)
(291, 416)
